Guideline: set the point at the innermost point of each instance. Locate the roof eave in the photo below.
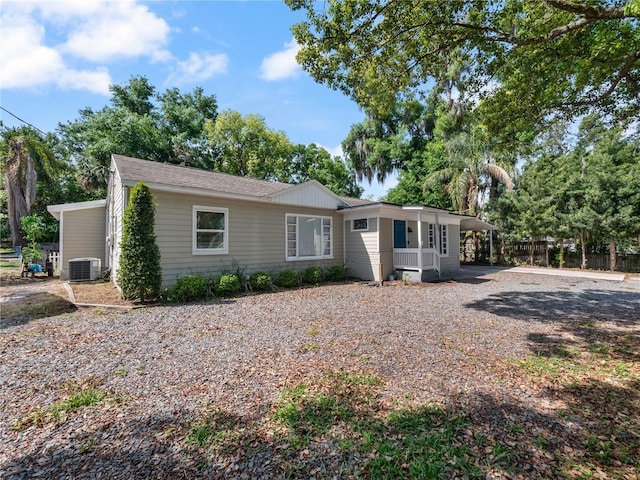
(56, 210)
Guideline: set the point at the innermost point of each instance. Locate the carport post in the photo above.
(491, 247)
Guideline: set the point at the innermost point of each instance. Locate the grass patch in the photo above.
(421, 443)
(10, 264)
(597, 376)
(344, 409)
(308, 348)
(217, 430)
(540, 366)
(80, 396)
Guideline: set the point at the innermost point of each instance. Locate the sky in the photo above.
(58, 57)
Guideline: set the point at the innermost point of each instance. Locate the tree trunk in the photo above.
(613, 259)
(20, 178)
(584, 251)
(546, 253)
(531, 252)
(562, 253)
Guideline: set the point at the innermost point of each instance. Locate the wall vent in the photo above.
(84, 269)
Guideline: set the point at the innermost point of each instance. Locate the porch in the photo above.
(427, 245)
(417, 259)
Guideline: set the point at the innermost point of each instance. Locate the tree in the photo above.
(611, 171)
(25, 155)
(410, 188)
(470, 167)
(248, 147)
(167, 127)
(139, 273)
(182, 121)
(530, 61)
(311, 162)
(590, 191)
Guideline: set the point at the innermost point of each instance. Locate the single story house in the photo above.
(207, 222)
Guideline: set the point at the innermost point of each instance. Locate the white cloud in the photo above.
(199, 67)
(27, 63)
(334, 152)
(119, 30)
(49, 43)
(96, 81)
(281, 65)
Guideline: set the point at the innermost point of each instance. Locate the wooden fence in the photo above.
(625, 263)
(54, 257)
(520, 254)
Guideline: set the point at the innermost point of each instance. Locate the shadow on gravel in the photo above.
(586, 365)
(136, 449)
(342, 433)
(564, 306)
(31, 307)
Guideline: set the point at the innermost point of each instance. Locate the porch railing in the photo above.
(408, 259)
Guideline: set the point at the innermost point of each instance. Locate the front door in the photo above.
(399, 234)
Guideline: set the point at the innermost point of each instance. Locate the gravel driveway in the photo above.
(437, 343)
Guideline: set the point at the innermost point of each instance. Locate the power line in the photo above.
(23, 121)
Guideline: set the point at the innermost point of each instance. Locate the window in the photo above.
(309, 237)
(444, 240)
(360, 225)
(210, 230)
(431, 236)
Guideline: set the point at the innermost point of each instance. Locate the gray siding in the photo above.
(362, 257)
(451, 264)
(256, 236)
(83, 234)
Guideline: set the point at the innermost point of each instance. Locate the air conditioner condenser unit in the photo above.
(82, 269)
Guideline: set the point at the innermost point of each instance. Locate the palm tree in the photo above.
(469, 170)
(25, 154)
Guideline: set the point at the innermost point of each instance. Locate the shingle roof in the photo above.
(356, 202)
(137, 170)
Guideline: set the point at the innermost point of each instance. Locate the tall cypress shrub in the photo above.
(139, 273)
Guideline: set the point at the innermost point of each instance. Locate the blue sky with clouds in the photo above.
(57, 57)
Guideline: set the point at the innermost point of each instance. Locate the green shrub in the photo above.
(139, 275)
(261, 281)
(288, 278)
(189, 288)
(337, 273)
(313, 275)
(228, 284)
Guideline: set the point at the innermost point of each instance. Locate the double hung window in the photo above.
(210, 230)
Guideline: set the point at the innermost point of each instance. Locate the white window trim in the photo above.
(353, 222)
(286, 239)
(444, 240)
(194, 223)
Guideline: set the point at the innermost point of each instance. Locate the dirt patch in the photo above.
(98, 293)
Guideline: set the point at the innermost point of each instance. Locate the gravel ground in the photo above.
(430, 343)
